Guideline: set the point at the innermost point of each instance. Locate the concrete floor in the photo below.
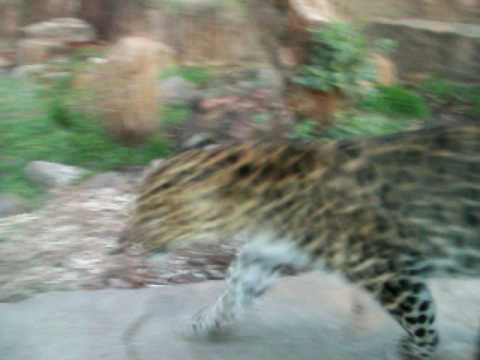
(303, 318)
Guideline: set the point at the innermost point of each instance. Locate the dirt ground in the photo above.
(67, 245)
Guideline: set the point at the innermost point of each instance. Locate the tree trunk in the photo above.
(102, 14)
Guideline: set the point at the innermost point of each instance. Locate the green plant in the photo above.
(41, 126)
(351, 124)
(304, 130)
(443, 92)
(196, 74)
(174, 115)
(475, 111)
(385, 46)
(338, 60)
(395, 101)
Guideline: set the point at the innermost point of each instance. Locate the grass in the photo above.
(198, 75)
(350, 125)
(39, 125)
(446, 93)
(395, 101)
(174, 115)
(385, 110)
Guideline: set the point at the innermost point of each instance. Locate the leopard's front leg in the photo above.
(250, 276)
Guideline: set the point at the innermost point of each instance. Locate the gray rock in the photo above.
(5, 63)
(450, 50)
(270, 78)
(66, 30)
(302, 318)
(38, 51)
(198, 140)
(27, 71)
(11, 204)
(50, 174)
(104, 180)
(178, 90)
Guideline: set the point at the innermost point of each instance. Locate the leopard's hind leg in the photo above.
(408, 300)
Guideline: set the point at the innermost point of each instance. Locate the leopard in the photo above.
(387, 212)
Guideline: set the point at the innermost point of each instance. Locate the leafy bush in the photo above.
(174, 115)
(196, 74)
(365, 124)
(304, 130)
(338, 60)
(443, 92)
(41, 126)
(395, 101)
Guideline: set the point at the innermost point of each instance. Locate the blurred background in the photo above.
(93, 91)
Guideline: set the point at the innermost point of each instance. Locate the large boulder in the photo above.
(177, 90)
(48, 39)
(208, 31)
(11, 204)
(49, 174)
(126, 87)
(450, 50)
(65, 30)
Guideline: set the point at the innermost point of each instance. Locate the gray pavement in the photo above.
(303, 318)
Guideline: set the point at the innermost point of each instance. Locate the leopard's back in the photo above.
(415, 194)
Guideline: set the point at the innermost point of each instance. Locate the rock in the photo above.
(104, 180)
(176, 90)
(386, 71)
(130, 74)
(300, 318)
(5, 63)
(270, 78)
(451, 50)
(51, 174)
(37, 51)
(198, 140)
(314, 12)
(61, 30)
(11, 205)
(208, 31)
(30, 70)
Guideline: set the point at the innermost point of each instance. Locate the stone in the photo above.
(5, 63)
(130, 74)
(302, 318)
(208, 31)
(445, 49)
(61, 30)
(104, 180)
(49, 174)
(198, 140)
(11, 204)
(177, 90)
(270, 78)
(37, 51)
(314, 12)
(30, 70)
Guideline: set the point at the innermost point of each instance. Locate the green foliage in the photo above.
(439, 89)
(174, 115)
(365, 124)
(442, 92)
(338, 60)
(395, 101)
(385, 46)
(196, 74)
(304, 130)
(41, 126)
(475, 111)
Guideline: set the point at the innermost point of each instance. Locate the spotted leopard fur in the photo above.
(386, 212)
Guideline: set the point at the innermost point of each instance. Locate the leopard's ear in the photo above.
(199, 141)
